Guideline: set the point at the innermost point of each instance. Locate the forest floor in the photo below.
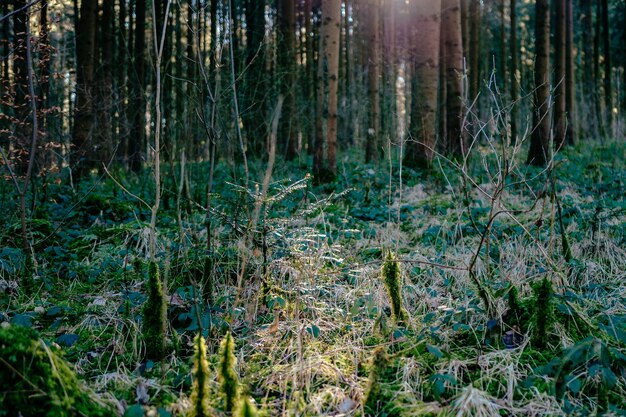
(311, 307)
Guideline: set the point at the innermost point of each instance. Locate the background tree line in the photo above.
(378, 75)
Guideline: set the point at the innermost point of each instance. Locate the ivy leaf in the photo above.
(313, 330)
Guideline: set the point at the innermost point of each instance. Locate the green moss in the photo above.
(245, 408)
(373, 398)
(543, 315)
(392, 278)
(154, 316)
(200, 387)
(227, 374)
(36, 381)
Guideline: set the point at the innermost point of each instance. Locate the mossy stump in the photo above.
(227, 373)
(154, 315)
(392, 279)
(36, 381)
(200, 386)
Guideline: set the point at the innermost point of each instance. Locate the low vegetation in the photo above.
(352, 300)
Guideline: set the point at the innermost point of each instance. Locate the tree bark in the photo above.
(513, 73)
(560, 115)
(82, 139)
(373, 77)
(420, 149)
(570, 75)
(287, 64)
(539, 151)
(138, 128)
(608, 68)
(331, 14)
(453, 61)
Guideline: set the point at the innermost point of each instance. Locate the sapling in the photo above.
(200, 387)
(227, 374)
(392, 278)
(154, 315)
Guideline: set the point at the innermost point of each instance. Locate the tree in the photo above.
(287, 61)
(420, 147)
(475, 22)
(608, 67)
(513, 72)
(82, 138)
(570, 77)
(329, 58)
(373, 76)
(138, 127)
(453, 62)
(560, 113)
(539, 151)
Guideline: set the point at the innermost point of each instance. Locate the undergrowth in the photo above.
(310, 310)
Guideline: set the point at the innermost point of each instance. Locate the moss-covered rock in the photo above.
(36, 381)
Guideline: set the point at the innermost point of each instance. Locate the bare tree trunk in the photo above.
(287, 64)
(105, 85)
(570, 75)
(513, 72)
(373, 75)
(331, 14)
(138, 127)
(82, 140)
(420, 149)
(474, 48)
(608, 68)
(596, 71)
(453, 61)
(539, 151)
(560, 116)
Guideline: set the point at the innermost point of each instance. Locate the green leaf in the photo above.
(313, 330)
(135, 410)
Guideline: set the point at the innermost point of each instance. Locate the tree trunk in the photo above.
(82, 139)
(138, 127)
(105, 86)
(608, 68)
(474, 48)
(331, 14)
(420, 149)
(373, 83)
(539, 151)
(570, 76)
(287, 67)
(513, 72)
(597, 76)
(453, 61)
(560, 115)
